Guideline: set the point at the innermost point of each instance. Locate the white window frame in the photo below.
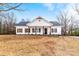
(37, 29)
(27, 29)
(19, 28)
(54, 30)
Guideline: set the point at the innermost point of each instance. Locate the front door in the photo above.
(45, 31)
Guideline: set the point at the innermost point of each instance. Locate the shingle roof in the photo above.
(55, 23)
(25, 23)
(22, 23)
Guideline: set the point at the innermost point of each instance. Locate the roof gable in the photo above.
(39, 21)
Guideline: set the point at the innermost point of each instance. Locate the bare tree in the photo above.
(7, 20)
(2, 17)
(8, 24)
(11, 22)
(64, 20)
(71, 25)
(76, 8)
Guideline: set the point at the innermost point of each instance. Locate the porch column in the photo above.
(43, 30)
(23, 30)
(49, 30)
(30, 30)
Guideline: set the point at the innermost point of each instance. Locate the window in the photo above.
(38, 29)
(54, 30)
(27, 30)
(19, 30)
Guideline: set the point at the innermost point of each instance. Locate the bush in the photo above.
(75, 32)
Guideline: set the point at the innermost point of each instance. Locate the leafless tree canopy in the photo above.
(64, 20)
(67, 21)
(7, 20)
(7, 24)
(76, 8)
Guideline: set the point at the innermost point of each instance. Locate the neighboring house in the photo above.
(39, 26)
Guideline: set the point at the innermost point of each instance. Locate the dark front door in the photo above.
(45, 31)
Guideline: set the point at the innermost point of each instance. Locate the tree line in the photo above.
(8, 19)
(7, 23)
(69, 27)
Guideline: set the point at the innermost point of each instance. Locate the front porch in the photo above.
(38, 30)
(34, 30)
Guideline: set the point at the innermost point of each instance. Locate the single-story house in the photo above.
(39, 26)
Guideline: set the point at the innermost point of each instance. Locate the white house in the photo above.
(39, 26)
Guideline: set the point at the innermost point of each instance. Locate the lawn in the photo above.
(35, 45)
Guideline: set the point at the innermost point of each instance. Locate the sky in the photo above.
(49, 11)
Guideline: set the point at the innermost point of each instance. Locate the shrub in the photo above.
(75, 32)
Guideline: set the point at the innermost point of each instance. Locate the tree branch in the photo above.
(10, 7)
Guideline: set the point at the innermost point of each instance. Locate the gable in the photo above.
(39, 22)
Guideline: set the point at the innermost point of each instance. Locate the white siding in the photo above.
(58, 30)
(49, 30)
(23, 29)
